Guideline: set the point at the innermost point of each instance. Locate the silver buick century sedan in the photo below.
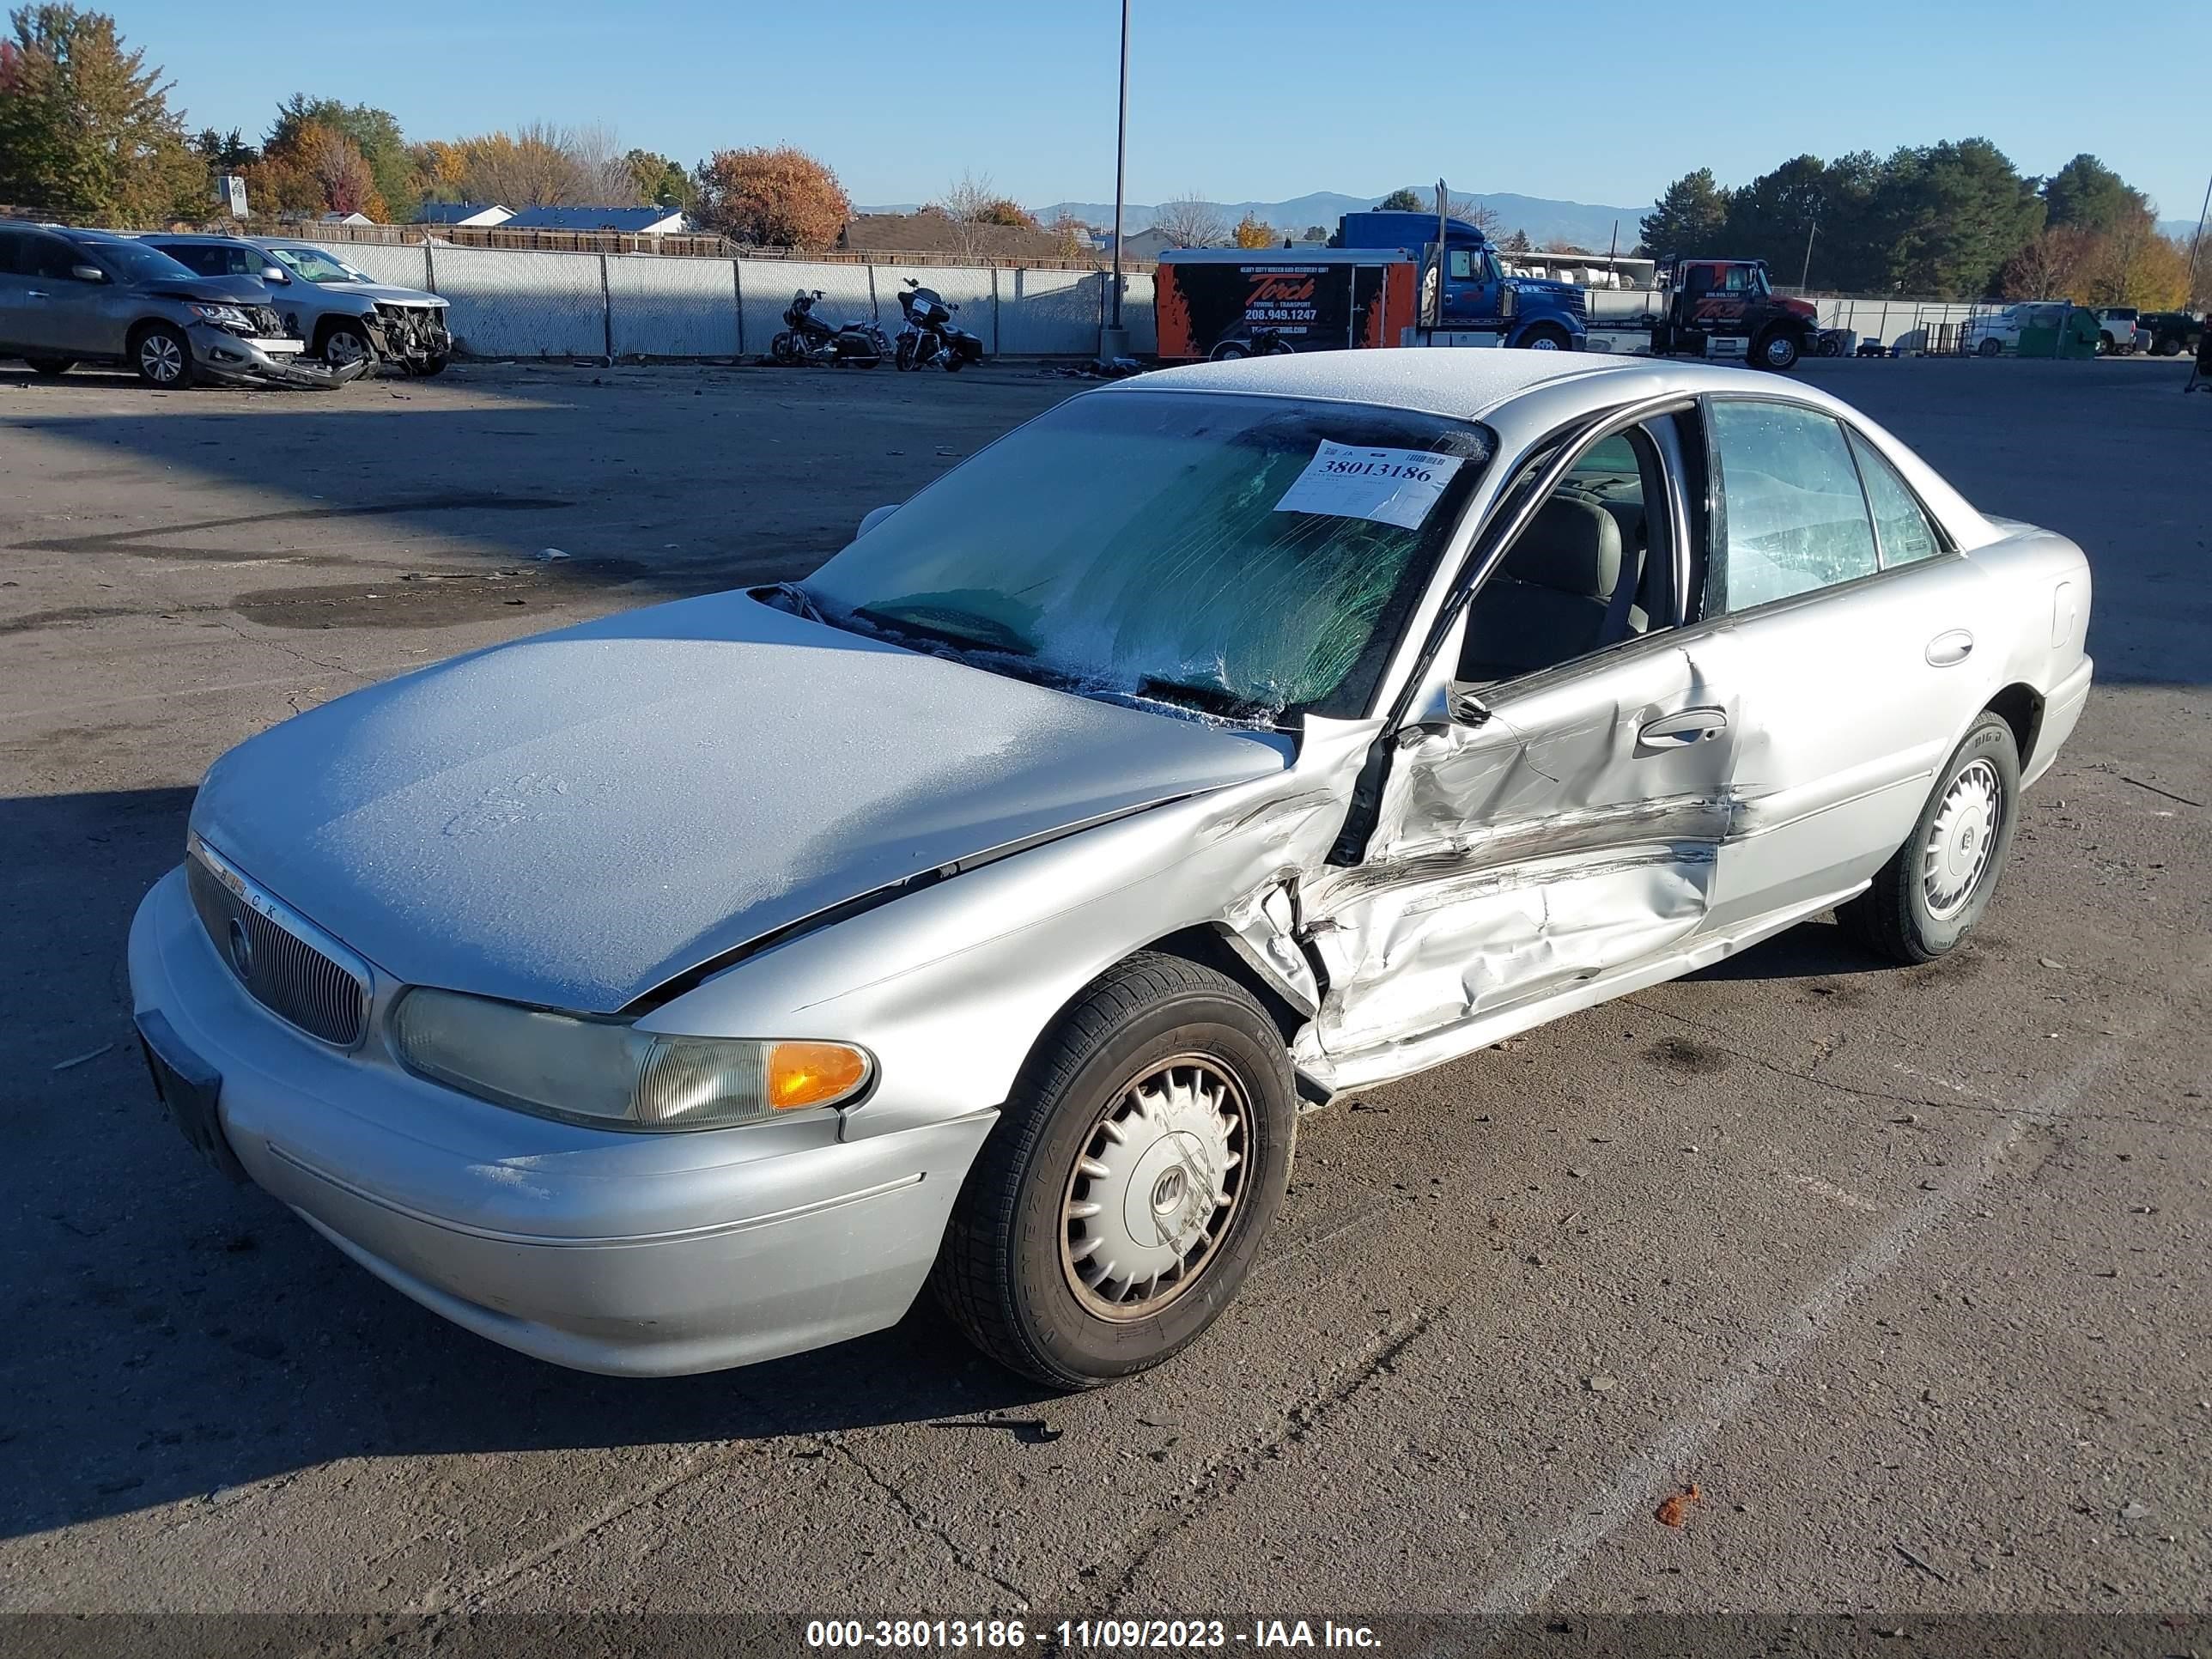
(692, 986)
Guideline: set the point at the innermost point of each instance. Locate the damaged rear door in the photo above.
(1558, 816)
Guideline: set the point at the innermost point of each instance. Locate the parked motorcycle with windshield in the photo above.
(931, 337)
(807, 338)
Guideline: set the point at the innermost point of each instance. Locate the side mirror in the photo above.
(86, 274)
(1467, 708)
(275, 274)
(877, 517)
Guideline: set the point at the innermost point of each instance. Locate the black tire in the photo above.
(434, 364)
(1897, 917)
(51, 367)
(1988, 347)
(782, 349)
(1007, 1271)
(2169, 346)
(344, 344)
(1776, 350)
(902, 353)
(2105, 345)
(954, 362)
(161, 356)
(1545, 337)
(1229, 351)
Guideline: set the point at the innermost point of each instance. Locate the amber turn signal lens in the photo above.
(812, 1073)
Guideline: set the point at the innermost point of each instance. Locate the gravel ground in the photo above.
(1903, 1271)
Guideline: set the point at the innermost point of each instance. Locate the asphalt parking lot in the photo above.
(1903, 1271)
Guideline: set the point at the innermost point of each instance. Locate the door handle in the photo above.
(36, 294)
(1680, 731)
(1947, 649)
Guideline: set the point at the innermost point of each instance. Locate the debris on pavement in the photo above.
(1920, 1562)
(547, 555)
(1676, 1509)
(76, 1060)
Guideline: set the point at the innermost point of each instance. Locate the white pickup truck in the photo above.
(2119, 331)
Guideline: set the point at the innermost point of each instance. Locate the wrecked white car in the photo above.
(692, 986)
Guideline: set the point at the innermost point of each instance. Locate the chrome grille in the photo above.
(291, 978)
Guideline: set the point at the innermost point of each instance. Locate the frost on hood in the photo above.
(1141, 547)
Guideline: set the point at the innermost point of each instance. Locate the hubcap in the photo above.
(159, 354)
(1155, 1189)
(344, 347)
(1961, 840)
(1779, 351)
(1543, 342)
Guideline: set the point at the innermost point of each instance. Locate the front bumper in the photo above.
(632, 1254)
(220, 355)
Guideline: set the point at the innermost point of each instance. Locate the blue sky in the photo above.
(1258, 99)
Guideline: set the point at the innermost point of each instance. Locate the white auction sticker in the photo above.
(1390, 486)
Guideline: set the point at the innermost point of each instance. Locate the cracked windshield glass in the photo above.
(1237, 556)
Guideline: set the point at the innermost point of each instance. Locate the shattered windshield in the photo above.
(1235, 555)
(315, 265)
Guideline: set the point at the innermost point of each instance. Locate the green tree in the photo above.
(1399, 201)
(1773, 217)
(2088, 194)
(1952, 216)
(1688, 219)
(86, 129)
(225, 152)
(375, 132)
(1517, 243)
(661, 181)
(1315, 233)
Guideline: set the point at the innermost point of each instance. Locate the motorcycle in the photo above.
(930, 334)
(807, 339)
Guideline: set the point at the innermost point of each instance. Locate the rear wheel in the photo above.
(2105, 346)
(1932, 892)
(1229, 351)
(162, 357)
(1121, 1199)
(2170, 346)
(52, 367)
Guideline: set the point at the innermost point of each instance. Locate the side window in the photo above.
(235, 263)
(13, 245)
(1902, 525)
(52, 258)
(1791, 518)
(1588, 571)
(1462, 265)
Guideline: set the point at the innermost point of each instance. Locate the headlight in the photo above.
(611, 1075)
(228, 316)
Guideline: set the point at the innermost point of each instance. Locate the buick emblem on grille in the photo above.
(241, 948)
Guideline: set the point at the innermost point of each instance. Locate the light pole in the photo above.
(1113, 338)
(2188, 283)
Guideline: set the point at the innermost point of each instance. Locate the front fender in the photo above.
(950, 986)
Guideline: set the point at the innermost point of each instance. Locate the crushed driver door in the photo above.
(1571, 833)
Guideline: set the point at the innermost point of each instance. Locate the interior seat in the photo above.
(1550, 599)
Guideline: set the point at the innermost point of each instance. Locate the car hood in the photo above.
(209, 291)
(385, 292)
(573, 819)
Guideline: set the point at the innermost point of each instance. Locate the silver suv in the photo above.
(71, 296)
(415, 335)
(338, 324)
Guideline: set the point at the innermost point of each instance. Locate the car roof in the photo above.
(1467, 383)
(200, 238)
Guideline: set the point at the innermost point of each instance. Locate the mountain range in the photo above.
(1582, 223)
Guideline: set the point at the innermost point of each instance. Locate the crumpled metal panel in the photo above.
(666, 307)
(573, 820)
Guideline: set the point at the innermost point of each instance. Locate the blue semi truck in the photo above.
(1373, 285)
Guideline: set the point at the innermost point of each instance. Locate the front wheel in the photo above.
(434, 364)
(904, 358)
(1989, 349)
(784, 349)
(51, 367)
(1543, 337)
(1931, 893)
(1121, 1198)
(1777, 350)
(346, 345)
(1230, 351)
(162, 357)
